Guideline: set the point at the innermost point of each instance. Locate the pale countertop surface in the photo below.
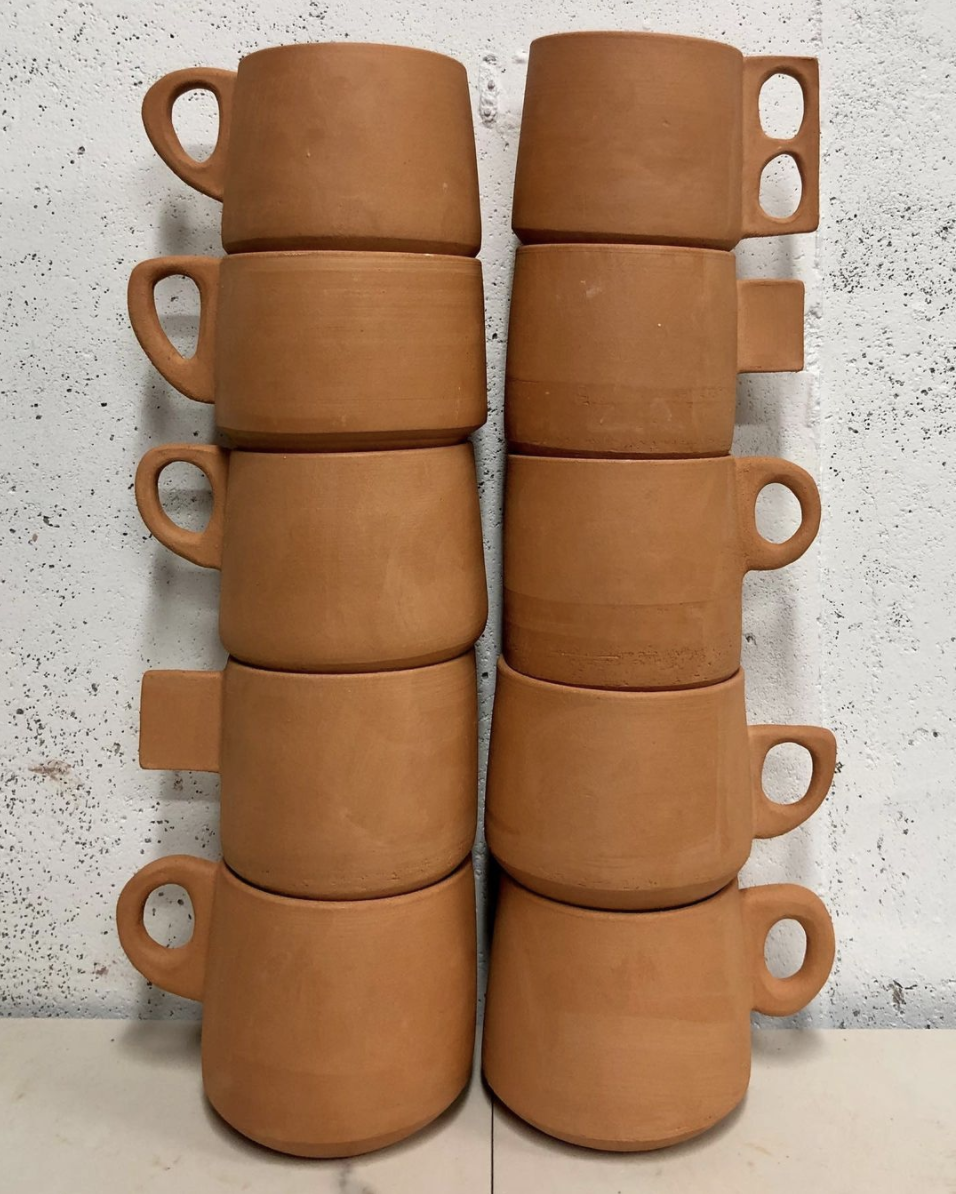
(110, 1105)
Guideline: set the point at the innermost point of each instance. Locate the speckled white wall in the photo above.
(857, 635)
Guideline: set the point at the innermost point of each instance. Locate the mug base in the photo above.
(360, 441)
(564, 236)
(628, 899)
(336, 1149)
(635, 1144)
(351, 244)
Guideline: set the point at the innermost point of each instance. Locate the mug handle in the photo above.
(769, 325)
(180, 721)
(759, 149)
(192, 376)
(179, 969)
(763, 908)
(207, 176)
(754, 473)
(201, 547)
(770, 817)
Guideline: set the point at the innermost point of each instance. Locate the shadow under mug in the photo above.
(333, 787)
(629, 573)
(635, 800)
(330, 1028)
(634, 350)
(335, 562)
(327, 351)
(628, 1031)
(334, 145)
(655, 138)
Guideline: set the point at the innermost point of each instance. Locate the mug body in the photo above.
(334, 1028)
(618, 1030)
(345, 562)
(622, 350)
(630, 137)
(331, 351)
(349, 786)
(351, 146)
(621, 800)
(622, 573)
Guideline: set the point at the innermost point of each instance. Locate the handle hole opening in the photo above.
(168, 916)
(785, 948)
(781, 107)
(777, 514)
(786, 773)
(196, 121)
(186, 495)
(780, 187)
(177, 305)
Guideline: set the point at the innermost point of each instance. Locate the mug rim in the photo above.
(286, 455)
(662, 695)
(616, 248)
(673, 462)
(349, 677)
(372, 257)
(582, 912)
(346, 46)
(420, 894)
(637, 35)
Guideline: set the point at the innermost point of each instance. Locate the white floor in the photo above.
(93, 1107)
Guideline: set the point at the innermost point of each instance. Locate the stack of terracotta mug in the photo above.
(625, 786)
(341, 340)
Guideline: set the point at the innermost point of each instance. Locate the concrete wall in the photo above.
(858, 635)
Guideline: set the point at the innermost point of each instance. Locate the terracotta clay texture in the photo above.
(335, 562)
(333, 786)
(327, 351)
(653, 138)
(631, 1030)
(329, 1028)
(628, 573)
(635, 800)
(634, 350)
(333, 146)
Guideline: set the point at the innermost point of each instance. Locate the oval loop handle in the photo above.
(207, 176)
(759, 149)
(754, 473)
(201, 547)
(772, 818)
(179, 969)
(763, 908)
(193, 376)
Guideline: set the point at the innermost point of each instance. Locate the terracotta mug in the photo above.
(335, 145)
(628, 573)
(654, 138)
(327, 351)
(334, 787)
(335, 562)
(631, 1030)
(330, 1028)
(635, 800)
(634, 350)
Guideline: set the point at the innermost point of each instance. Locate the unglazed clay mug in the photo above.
(635, 800)
(654, 138)
(634, 350)
(631, 1030)
(628, 573)
(333, 787)
(330, 1028)
(327, 351)
(335, 145)
(335, 562)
